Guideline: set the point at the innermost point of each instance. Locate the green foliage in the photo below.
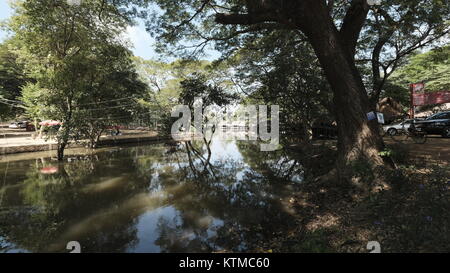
(12, 78)
(285, 72)
(386, 153)
(392, 31)
(196, 86)
(180, 82)
(432, 67)
(398, 91)
(84, 75)
(32, 95)
(281, 63)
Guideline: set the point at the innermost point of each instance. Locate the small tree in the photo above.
(65, 49)
(112, 92)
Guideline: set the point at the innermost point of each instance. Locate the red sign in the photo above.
(418, 87)
(430, 98)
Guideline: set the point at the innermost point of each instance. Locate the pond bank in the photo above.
(28, 145)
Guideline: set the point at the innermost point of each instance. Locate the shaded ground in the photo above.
(411, 215)
(435, 149)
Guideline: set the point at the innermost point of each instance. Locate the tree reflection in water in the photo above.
(225, 195)
(228, 204)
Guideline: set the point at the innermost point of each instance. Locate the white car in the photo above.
(18, 125)
(394, 129)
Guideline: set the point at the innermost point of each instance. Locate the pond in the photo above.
(195, 196)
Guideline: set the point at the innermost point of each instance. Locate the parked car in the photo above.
(395, 128)
(437, 124)
(18, 125)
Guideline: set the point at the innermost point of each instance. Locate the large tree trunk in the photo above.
(359, 138)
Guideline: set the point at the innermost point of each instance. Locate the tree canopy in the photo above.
(12, 79)
(83, 73)
(348, 38)
(431, 67)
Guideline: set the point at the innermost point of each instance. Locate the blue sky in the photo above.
(143, 43)
(5, 12)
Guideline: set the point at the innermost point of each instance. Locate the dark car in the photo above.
(437, 124)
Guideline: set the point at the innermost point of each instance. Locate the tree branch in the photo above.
(353, 23)
(184, 22)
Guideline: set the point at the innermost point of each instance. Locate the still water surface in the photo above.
(149, 198)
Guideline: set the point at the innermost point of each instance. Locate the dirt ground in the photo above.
(410, 215)
(436, 148)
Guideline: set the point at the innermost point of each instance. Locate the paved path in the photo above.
(28, 144)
